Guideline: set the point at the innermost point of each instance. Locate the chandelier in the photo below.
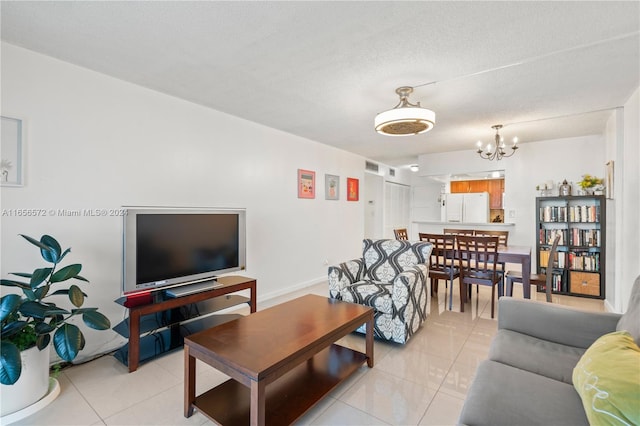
(497, 153)
(405, 118)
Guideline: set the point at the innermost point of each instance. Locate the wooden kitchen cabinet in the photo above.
(495, 188)
(459, 186)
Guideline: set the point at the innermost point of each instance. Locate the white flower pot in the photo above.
(32, 385)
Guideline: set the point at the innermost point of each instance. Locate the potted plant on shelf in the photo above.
(591, 184)
(28, 322)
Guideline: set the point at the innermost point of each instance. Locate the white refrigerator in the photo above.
(472, 207)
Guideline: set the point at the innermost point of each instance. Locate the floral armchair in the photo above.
(391, 277)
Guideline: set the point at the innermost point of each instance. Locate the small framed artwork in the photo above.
(609, 179)
(331, 187)
(11, 152)
(306, 184)
(353, 189)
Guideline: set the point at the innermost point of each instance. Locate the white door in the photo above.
(396, 208)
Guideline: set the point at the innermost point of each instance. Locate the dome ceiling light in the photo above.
(405, 118)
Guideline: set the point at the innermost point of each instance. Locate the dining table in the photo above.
(521, 255)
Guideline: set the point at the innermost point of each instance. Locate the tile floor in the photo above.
(421, 383)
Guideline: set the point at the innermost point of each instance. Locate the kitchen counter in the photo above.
(464, 225)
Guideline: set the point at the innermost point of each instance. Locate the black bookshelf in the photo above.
(579, 266)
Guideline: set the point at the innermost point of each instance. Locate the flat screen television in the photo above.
(170, 247)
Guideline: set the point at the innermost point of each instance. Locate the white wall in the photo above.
(93, 141)
(626, 152)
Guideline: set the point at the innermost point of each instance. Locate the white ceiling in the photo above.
(322, 70)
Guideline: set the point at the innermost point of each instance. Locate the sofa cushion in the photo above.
(374, 294)
(504, 395)
(552, 360)
(608, 380)
(630, 321)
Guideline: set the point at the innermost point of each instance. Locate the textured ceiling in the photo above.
(322, 70)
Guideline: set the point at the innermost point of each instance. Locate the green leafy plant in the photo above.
(589, 181)
(29, 320)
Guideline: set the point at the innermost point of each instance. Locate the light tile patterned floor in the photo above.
(421, 383)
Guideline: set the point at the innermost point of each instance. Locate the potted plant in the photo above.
(28, 320)
(589, 184)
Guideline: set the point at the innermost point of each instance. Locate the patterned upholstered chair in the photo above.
(391, 277)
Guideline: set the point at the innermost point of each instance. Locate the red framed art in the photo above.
(353, 189)
(306, 184)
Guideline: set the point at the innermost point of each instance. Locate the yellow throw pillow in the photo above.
(607, 378)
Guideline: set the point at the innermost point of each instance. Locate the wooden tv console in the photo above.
(142, 311)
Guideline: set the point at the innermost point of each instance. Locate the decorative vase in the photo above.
(564, 189)
(32, 385)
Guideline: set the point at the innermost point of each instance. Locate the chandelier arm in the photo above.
(513, 148)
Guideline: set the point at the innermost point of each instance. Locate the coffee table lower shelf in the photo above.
(289, 396)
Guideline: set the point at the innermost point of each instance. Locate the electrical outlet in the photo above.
(512, 214)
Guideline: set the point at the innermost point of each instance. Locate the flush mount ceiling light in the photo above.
(405, 118)
(489, 153)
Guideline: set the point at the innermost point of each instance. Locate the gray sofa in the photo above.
(527, 379)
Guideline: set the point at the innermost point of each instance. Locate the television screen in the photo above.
(170, 247)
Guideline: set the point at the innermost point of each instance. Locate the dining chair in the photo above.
(477, 261)
(401, 234)
(451, 231)
(504, 239)
(442, 264)
(502, 235)
(537, 279)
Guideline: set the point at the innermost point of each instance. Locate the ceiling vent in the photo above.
(372, 167)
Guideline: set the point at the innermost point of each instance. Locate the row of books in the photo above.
(582, 213)
(560, 260)
(585, 237)
(548, 235)
(573, 237)
(584, 261)
(557, 284)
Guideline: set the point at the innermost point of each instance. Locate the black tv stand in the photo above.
(160, 323)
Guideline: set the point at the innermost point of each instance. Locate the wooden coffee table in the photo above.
(281, 360)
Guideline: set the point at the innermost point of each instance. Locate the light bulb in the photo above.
(515, 140)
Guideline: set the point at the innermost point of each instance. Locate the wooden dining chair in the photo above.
(503, 241)
(502, 235)
(401, 234)
(537, 279)
(477, 261)
(451, 231)
(442, 264)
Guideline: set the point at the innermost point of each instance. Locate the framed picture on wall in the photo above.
(331, 187)
(11, 152)
(306, 184)
(353, 189)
